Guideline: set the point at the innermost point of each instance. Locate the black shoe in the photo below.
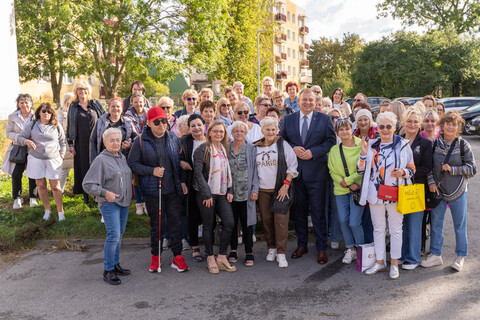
(120, 271)
(111, 278)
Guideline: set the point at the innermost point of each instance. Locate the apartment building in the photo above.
(289, 61)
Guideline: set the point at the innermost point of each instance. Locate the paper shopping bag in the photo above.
(411, 198)
(365, 256)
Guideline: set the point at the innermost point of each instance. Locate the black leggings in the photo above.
(239, 209)
(194, 218)
(224, 210)
(17, 182)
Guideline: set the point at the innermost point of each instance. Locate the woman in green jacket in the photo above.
(346, 181)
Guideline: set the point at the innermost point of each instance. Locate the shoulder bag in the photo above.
(356, 193)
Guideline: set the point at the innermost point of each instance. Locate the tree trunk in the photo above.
(56, 86)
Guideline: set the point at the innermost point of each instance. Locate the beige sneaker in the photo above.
(432, 261)
(458, 263)
(139, 208)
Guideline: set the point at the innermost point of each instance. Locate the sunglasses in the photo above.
(166, 107)
(245, 112)
(388, 126)
(266, 105)
(317, 92)
(46, 111)
(357, 100)
(335, 117)
(162, 120)
(191, 99)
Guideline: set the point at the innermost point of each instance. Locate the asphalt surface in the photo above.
(46, 284)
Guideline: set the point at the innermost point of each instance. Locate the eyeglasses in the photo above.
(245, 112)
(388, 127)
(218, 131)
(226, 105)
(357, 100)
(158, 121)
(266, 105)
(46, 111)
(191, 99)
(166, 107)
(82, 89)
(317, 92)
(335, 117)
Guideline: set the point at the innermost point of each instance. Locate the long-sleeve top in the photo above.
(337, 171)
(49, 140)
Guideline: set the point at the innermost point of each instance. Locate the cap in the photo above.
(155, 113)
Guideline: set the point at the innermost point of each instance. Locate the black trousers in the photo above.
(224, 210)
(171, 213)
(194, 218)
(17, 182)
(239, 209)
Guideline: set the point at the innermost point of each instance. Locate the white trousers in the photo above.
(379, 221)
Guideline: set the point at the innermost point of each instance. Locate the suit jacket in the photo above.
(320, 138)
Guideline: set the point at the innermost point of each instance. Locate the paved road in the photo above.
(68, 285)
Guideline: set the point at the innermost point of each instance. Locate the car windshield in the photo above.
(475, 107)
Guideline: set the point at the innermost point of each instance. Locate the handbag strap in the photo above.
(345, 167)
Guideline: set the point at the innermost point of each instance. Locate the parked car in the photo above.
(459, 103)
(349, 101)
(411, 101)
(468, 115)
(474, 126)
(375, 101)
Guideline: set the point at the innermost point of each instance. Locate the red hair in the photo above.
(292, 84)
(115, 99)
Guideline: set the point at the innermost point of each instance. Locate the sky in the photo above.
(332, 19)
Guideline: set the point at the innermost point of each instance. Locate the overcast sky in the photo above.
(332, 19)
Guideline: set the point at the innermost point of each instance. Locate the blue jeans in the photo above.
(350, 217)
(332, 214)
(115, 218)
(138, 195)
(367, 225)
(459, 216)
(412, 237)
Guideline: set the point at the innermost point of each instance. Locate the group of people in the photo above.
(216, 163)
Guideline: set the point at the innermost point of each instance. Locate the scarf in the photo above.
(220, 176)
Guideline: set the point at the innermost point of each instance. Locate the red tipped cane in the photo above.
(159, 225)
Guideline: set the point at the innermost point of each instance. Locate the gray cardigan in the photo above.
(109, 172)
(252, 182)
(49, 144)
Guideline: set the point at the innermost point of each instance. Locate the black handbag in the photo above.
(356, 193)
(283, 206)
(18, 154)
(277, 205)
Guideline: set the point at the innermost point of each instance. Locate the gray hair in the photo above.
(390, 116)
(111, 131)
(268, 121)
(432, 113)
(317, 87)
(168, 100)
(66, 100)
(183, 120)
(237, 124)
(238, 84)
(327, 101)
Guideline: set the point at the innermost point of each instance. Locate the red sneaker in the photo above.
(154, 264)
(179, 263)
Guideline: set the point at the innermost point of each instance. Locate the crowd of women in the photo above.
(214, 163)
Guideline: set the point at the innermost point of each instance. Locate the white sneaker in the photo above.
(254, 238)
(458, 263)
(310, 223)
(165, 244)
(240, 240)
(185, 245)
(350, 255)
(272, 254)
(61, 216)
(33, 203)
(46, 216)
(17, 203)
(432, 261)
(139, 210)
(282, 260)
(409, 266)
(101, 220)
(334, 245)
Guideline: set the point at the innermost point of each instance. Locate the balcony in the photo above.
(280, 18)
(281, 38)
(304, 63)
(305, 79)
(304, 47)
(281, 75)
(281, 2)
(301, 15)
(304, 30)
(281, 57)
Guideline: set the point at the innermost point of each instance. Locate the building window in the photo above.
(289, 70)
(293, 36)
(67, 79)
(293, 53)
(294, 72)
(278, 49)
(293, 18)
(288, 15)
(279, 67)
(288, 34)
(288, 52)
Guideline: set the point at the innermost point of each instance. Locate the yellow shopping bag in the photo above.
(411, 198)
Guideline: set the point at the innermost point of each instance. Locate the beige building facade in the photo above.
(289, 45)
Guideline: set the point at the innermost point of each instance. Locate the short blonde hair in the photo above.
(412, 111)
(219, 104)
(205, 90)
(237, 124)
(66, 99)
(189, 92)
(82, 84)
(267, 79)
(399, 109)
(420, 106)
(240, 105)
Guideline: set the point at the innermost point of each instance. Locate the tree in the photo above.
(332, 60)
(160, 34)
(45, 48)
(462, 15)
(245, 17)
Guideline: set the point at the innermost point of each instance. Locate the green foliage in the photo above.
(45, 48)
(408, 64)
(239, 59)
(462, 15)
(332, 61)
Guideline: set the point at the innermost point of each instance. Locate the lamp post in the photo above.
(258, 57)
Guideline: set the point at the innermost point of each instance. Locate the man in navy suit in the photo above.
(311, 135)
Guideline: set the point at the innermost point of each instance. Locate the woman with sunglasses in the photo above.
(385, 163)
(240, 113)
(262, 103)
(224, 111)
(189, 98)
(207, 111)
(46, 142)
(214, 186)
(83, 114)
(279, 101)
